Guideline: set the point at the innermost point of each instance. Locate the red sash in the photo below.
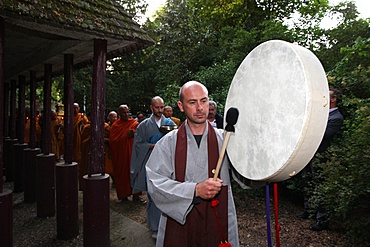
(201, 227)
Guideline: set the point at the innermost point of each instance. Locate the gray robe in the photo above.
(147, 133)
(174, 198)
(141, 152)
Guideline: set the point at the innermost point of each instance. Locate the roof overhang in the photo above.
(31, 43)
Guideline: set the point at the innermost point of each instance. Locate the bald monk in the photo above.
(121, 141)
(167, 112)
(79, 121)
(180, 179)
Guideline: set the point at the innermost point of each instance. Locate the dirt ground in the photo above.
(251, 212)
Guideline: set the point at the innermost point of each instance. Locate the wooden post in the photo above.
(6, 196)
(68, 109)
(6, 139)
(66, 173)
(12, 126)
(32, 143)
(30, 190)
(6, 110)
(20, 146)
(46, 160)
(96, 192)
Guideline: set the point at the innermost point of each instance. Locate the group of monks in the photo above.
(81, 138)
(56, 130)
(81, 130)
(118, 143)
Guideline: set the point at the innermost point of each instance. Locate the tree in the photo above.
(349, 28)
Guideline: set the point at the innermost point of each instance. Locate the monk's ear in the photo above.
(179, 104)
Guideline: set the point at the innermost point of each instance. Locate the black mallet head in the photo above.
(231, 119)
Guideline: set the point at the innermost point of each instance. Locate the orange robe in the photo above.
(107, 152)
(121, 149)
(85, 151)
(27, 131)
(176, 120)
(55, 129)
(78, 123)
(60, 135)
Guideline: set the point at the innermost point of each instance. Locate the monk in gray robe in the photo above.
(180, 180)
(146, 136)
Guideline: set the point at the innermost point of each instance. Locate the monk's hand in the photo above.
(130, 134)
(208, 188)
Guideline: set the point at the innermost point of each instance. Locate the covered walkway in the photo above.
(34, 232)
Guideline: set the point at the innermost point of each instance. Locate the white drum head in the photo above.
(282, 94)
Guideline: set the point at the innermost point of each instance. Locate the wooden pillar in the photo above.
(33, 113)
(20, 146)
(46, 160)
(6, 196)
(13, 109)
(66, 173)
(30, 153)
(46, 116)
(96, 192)
(6, 110)
(9, 144)
(21, 107)
(6, 139)
(2, 85)
(68, 109)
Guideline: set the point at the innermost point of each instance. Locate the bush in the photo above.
(343, 184)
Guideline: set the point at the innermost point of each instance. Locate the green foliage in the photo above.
(206, 40)
(82, 89)
(135, 8)
(57, 91)
(344, 187)
(275, 30)
(352, 73)
(342, 184)
(349, 29)
(217, 78)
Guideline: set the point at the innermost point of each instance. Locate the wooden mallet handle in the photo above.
(231, 119)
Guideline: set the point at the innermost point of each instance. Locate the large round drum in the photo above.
(282, 95)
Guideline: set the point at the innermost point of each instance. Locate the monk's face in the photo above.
(112, 117)
(124, 113)
(157, 107)
(168, 112)
(212, 112)
(76, 109)
(195, 103)
(140, 117)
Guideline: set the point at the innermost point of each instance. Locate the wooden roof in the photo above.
(42, 31)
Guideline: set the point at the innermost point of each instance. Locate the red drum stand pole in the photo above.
(276, 205)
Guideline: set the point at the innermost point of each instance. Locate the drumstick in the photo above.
(231, 119)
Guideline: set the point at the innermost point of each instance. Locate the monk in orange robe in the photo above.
(85, 153)
(79, 121)
(121, 141)
(85, 149)
(56, 126)
(27, 129)
(112, 117)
